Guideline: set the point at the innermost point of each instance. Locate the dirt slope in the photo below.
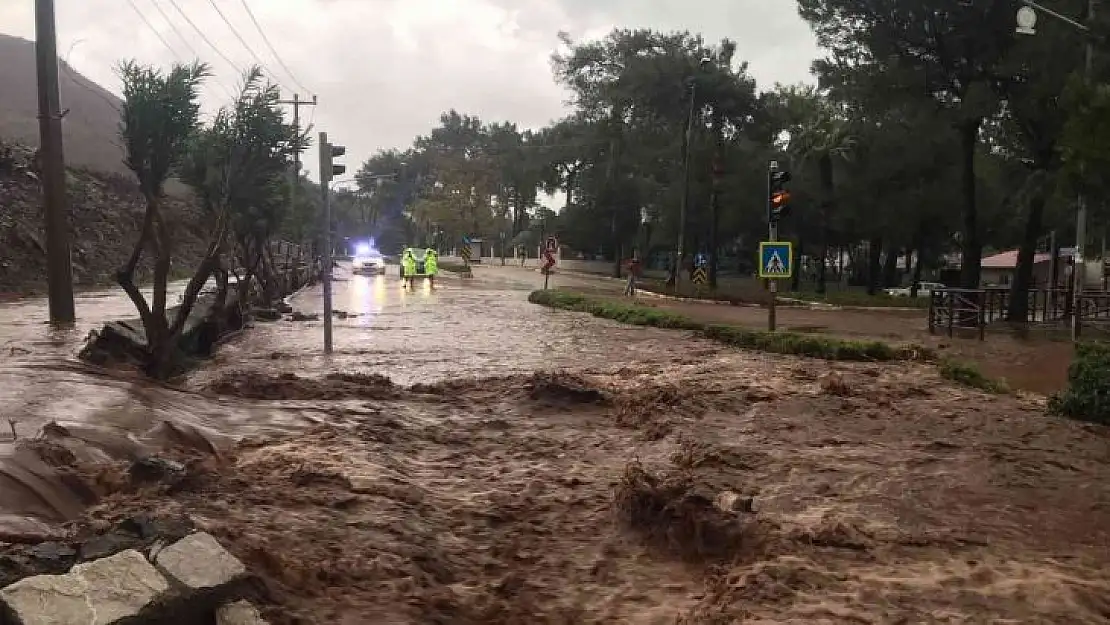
(91, 125)
(105, 217)
(105, 208)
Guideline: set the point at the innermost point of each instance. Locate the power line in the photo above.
(154, 30)
(205, 38)
(174, 28)
(185, 40)
(250, 50)
(273, 51)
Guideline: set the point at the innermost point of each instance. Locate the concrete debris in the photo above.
(191, 576)
(199, 562)
(239, 613)
(101, 592)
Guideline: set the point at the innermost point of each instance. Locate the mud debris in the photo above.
(629, 497)
(564, 390)
(290, 386)
(676, 512)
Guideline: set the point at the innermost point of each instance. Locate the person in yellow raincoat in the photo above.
(408, 266)
(431, 266)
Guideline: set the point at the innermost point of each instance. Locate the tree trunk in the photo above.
(125, 276)
(874, 265)
(890, 268)
(825, 172)
(915, 254)
(714, 197)
(972, 247)
(796, 275)
(1023, 274)
(822, 269)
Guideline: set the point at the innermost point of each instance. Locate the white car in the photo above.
(924, 289)
(367, 261)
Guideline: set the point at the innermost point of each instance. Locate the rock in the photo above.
(109, 544)
(155, 469)
(283, 308)
(199, 562)
(833, 383)
(239, 613)
(731, 502)
(266, 314)
(101, 592)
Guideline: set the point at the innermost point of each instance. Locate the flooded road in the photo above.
(459, 329)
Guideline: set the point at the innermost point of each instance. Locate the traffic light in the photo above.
(328, 154)
(778, 199)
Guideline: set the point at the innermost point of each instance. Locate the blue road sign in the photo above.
(776, 260)
(466, 239)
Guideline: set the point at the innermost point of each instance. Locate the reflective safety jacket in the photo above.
(431, 265)
(408, 263)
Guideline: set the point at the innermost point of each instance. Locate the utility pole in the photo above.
(778, 200)
(1079, 266)
(59, 268)
(328, 170)
(772, 235)
(688, 148)
(296, 103)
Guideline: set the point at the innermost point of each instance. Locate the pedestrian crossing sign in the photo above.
(776, 260)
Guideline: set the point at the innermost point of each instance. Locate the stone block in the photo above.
(239, 613)
(101, 592)
(199, 562)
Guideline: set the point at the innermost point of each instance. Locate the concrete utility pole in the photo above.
(59, 269)
(296, 103)
(688, 148)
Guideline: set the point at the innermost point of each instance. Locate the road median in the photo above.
(794, 343)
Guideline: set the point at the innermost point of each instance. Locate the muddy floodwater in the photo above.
(465, 457)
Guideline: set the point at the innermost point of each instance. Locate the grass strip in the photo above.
(827, 348)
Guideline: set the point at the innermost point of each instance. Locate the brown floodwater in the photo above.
(459, 329)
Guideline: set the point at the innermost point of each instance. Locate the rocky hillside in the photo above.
(105, 216)
(106, 209)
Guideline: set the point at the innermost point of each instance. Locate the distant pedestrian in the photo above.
(431, 266)
(634, 269)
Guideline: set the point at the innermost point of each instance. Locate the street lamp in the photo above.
(684, 207)
(1026, 25)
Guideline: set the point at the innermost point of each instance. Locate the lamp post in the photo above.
(687, 150)
(1026, 25)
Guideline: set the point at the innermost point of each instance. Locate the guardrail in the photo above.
(954, 309)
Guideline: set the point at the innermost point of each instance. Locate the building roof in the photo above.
(1008, 259)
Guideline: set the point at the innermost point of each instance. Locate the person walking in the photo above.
(408, 266)
(431, 266)
(634, 270)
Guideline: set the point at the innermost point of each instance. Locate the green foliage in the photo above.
(931, 127)
(160, 113)
(1087, 396)
(239, 164)
(776, 342)
(968, 374)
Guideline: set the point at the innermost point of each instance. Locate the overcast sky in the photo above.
(385, 69)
